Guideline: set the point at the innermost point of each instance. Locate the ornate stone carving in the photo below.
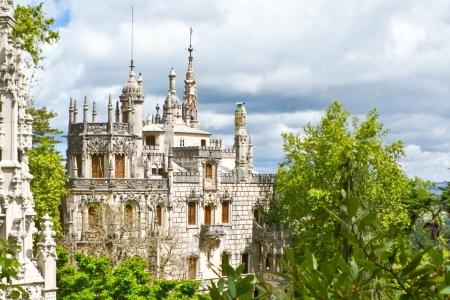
(97, 145)
(123, 146)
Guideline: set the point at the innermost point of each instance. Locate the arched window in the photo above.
(209, 171)
(225, 263)
(128, 216)
(225, 212)
(158, 215)
(208, 215)
(120, 165)
(97, 161)
(94, 217)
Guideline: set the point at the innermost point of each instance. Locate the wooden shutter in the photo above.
(225, 212)
(120, 166)
(208, 215)
(97, 166)
(158, 215)
(192, 267)
(191, 213)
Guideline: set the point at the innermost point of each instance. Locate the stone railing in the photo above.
(197, 152)
(212, 231)
(99, 128)
(119, 183)
(121, 128)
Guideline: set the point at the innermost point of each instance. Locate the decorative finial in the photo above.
(132, 36)
(190, 49)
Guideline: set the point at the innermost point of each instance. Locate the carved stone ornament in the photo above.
(123, 146)
(97, 145)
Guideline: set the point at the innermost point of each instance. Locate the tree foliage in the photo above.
(33, 30)
(339, 160)
(45, 163)
(88, 277)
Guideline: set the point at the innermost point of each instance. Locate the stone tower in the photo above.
(16, 200)
(242, 143)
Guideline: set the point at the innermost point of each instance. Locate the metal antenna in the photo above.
(132, 35)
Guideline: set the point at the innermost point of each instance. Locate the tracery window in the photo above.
(120, 165)
(97, 165)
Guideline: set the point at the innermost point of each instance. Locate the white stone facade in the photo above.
(37, 274)
(163, 188)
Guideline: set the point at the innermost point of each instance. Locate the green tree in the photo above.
(33, 30)
(339, 161)
(49, 179)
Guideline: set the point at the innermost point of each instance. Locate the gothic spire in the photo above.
(190, 104)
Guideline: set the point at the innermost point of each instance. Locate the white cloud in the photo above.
(286, 59)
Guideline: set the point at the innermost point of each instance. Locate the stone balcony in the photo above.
(212, 231)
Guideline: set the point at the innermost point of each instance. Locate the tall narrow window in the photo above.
(225, 212)
(192, 218)
(94, 217)
(209, 171)
(79, 165)
(1, 154)
(129, 217)
(203, 143)
(192, 267)
(181, 143)
(97, 166)
(245, 262)
(208, 215)
(120, 166)
(158, 215)
(225, 263)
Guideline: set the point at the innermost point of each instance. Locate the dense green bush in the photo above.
(88, 277)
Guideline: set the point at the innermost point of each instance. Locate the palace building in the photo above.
(163, 188)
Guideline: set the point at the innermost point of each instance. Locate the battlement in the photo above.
(186, 177)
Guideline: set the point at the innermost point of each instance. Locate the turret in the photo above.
(241, 142)
(132, 100)
(190, 103)
(75, 111)
(171, 107)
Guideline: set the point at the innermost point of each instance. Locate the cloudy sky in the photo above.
(287, 60)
